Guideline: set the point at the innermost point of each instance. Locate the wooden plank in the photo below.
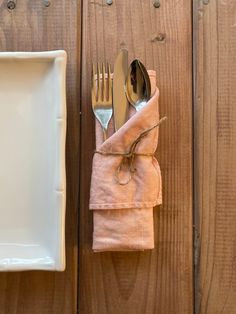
(158, 281)
(215, 151)
(33, 26)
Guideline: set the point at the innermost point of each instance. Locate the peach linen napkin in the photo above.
(123, 214)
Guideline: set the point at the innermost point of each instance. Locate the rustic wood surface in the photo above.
(215, 151)
(34, 26)
(158, 281)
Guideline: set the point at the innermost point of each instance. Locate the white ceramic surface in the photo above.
(32, 160)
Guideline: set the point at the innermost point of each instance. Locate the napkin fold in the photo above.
(122, 201)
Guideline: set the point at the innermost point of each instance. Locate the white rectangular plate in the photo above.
(32, 160)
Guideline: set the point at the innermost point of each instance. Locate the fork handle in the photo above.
(104, 134)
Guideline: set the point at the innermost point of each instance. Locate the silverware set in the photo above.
(112, 95)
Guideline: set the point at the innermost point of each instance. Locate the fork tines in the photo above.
(102, 84)
(102, 94)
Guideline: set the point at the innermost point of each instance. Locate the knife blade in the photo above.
(120, 102)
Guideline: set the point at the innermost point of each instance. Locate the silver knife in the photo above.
(120, 102)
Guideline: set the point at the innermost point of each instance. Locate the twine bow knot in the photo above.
(130, 155)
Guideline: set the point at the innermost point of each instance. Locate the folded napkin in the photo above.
(126, 181)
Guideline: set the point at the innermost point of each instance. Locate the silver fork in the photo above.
(102, 96)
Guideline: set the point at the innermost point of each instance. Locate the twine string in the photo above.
(129, 156)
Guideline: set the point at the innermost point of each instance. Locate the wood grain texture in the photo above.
(158, 281)
(215, 156)
(32, 26)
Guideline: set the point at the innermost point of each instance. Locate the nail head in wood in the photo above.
(11, 5)
(205, 2)
(47, 3)
(157, 4)
(109, 2)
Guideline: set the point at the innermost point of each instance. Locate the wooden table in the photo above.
(192, 46)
